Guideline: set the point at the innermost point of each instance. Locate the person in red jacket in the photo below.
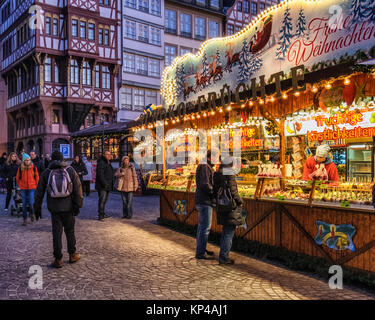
(27, 179)
(321, 157)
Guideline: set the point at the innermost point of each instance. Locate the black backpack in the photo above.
(224, 200)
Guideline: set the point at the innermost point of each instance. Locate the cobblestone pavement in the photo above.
(137, 259)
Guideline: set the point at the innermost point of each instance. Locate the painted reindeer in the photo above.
(187, 89)
(232, 59)
(216, 72)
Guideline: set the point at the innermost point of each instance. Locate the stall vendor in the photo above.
(321, 157)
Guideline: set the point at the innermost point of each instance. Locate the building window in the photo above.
(153, 67)
(185, 24)
(130, 3)
(239, 6)
(262, 6)
(74, 28)
(155, 7)
(238, 28)
(48, 70)
(143, 5)
(55, 116)
(143, 33)
(200, 28)
(139, 99)
(170, 54)
(130, 29)
(57, 73)
(170, 21)
(230, 30)
(74, 72)
(48, 25)
(55, 27)
(82, 32)
(106, 37)
(106, 78)
(246, 6)
(201, 2)
(86, 74)
(215, 4)
(97, 76)
(254, 8)
(214, 29)
(100, 36)
(184, 51)
(129, 62)
(126, 99)
(92, 31)
(155, 36)
(90, 120)
(151, 98)
(141, 64)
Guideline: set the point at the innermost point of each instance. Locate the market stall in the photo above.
(289, 82)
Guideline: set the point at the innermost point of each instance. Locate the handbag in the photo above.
(224, 200)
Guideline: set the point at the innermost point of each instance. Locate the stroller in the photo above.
(16, 206)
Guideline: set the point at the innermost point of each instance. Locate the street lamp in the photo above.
(103, 123)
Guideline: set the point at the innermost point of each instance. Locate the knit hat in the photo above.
(57, 155)
(323, 151)
(25, 156)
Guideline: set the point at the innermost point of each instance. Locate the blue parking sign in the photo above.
(65, 150)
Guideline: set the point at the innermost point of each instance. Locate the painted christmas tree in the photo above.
(286, 35)
(219, 64)
(244, 73)
(249, 63)
(360, 10)
(180, 75)
(205, 66)
(301, 24)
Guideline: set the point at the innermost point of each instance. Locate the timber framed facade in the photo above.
(59, 60)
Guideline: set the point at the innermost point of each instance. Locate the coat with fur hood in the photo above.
(127, 179)
(29, 178)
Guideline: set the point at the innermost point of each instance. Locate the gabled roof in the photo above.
(120, 127)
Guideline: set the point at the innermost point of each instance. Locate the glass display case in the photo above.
(346, 194)
(359, 163)
(285, 189)
(156, 181)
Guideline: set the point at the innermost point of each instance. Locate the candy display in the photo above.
(156, 182)
(177, 182)
(269, 171)
(246, 191)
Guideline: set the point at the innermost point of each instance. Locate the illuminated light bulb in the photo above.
(261, 101)
(243, 106)
(173, 121)
(166, 122)
(315, 89)
(347, 81)
(229, 108)
(205, 115)
(297, 94)
(212, 112)
(328, 86)
(272, 99)
(285, 96)
(178, 120)
(251, 103)
(198, 116)
(192, 117)
(220, 110)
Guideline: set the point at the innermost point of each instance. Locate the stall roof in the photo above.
(120, 127)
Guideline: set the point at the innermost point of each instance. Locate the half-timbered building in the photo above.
(59, 60)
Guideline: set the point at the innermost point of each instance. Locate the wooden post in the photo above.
(282, 151)
(164, 161)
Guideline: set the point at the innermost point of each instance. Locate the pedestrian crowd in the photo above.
(27, 178)
(31, 178)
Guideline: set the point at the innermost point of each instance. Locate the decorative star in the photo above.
(360, 92)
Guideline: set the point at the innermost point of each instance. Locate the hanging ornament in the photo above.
(349, 93)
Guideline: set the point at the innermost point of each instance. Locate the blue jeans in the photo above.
(127, 204)
(27, 199)
(204, 226)
(226, 241)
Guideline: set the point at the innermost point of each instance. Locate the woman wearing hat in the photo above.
(27, 179)
(127, 183)
(321, 157)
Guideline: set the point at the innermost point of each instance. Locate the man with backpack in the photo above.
(64, 199)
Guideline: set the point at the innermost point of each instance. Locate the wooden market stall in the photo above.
(283, 109)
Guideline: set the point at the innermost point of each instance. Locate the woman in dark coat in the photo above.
(80, 167)
(226, 178)
(10, 172)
